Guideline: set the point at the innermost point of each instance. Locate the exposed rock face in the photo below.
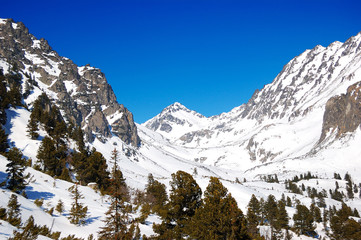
(283, 119)
(343, 113)
(81, 93)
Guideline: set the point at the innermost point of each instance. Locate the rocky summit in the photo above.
(82, 93)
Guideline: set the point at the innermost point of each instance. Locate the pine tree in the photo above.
(219, 217)
(316, 213)
(60, 207)
(253, 216)
(184, 199)
(282, 218)
(13, 212)
(47, 156)
(78, 212)
(303, 220)
(4, 145)
(156, 194)
(33, 128)
(2, 213)
(15, 169)
(94, 169)
(30, 231)
(271, 209)
(4, 102)
(117, 216)
(288, 202)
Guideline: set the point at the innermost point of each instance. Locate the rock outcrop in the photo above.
(343, 113)
(82, 93)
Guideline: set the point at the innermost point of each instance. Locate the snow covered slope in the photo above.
(283, 120)
(277, 132)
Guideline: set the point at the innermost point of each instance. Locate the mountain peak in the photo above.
(178, 107)
(175, 120)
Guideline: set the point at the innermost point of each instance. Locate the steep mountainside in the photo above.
(82, 93)
(283, 120)
(307, 120)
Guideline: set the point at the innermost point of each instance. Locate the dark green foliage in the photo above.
(336, 195)
(288, 202)
(271, 210)
(117, 215)
(316, 213)
(13, 212)
(30, 231)
(293, 187)
(92, 168)
(33, 128)
(14, 96)
(219, 217)
(337, 176)
(156, 194)
(184, 199)
(78, 212)
(303, 220)
(78, 135)
(349, 186)
(2, 213)
(271, 178)
(49, 116)
(39, 202)
(343, 227)
(4, 102)
(15, 170)
(4, 145)
(60, 207)
(253, 216)
(282, 218)
(48, 157)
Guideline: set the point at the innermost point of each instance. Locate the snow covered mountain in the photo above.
(284, 120)
(82, 93)
(307, 119)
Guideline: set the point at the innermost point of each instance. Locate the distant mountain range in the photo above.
(307, 119)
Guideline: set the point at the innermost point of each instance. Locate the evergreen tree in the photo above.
(30, 231)
(219, 217)
(78, 212)
(282, 218)
(15, 170)
(303, 220)
(156, 194)
(316, 213)
(47, 155)
(4, 102)
(33, 128)
(94, 169)
(344, 227)
(349, 187)
(4, 145)
(253, 216)
(117, 214)
(2, 213)
(60, 207)
(185, 198)
(271, 209)
(13, 212)
(288, 202)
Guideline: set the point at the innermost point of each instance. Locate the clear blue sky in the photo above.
(208, 55)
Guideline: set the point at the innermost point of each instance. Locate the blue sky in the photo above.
(208, 55)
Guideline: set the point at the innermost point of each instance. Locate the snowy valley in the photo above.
(306, 121)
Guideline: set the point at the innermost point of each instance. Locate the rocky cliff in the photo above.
(82, 93)
(343, 112)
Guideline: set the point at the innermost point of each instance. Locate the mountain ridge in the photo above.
(82, 93)
(296, 98)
